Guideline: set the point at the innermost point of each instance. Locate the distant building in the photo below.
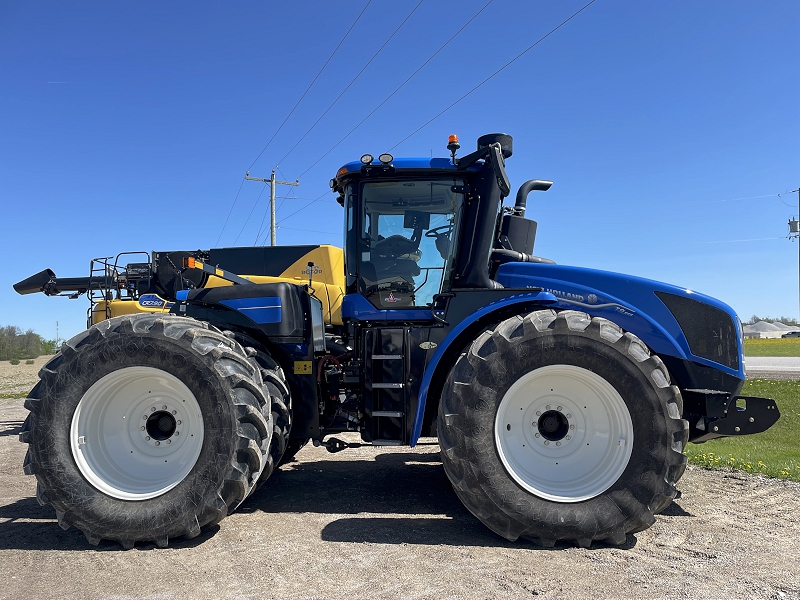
(766, 330)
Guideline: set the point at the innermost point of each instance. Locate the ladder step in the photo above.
(387, 413)
(388, 386)
(387, 443)
(387, 356)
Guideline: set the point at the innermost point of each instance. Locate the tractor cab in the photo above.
(401, 235)
(417, 227)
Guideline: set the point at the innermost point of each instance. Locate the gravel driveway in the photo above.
(373, 522)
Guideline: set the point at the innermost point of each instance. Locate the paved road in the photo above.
(772, 367)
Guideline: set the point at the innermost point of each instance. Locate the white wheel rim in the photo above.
(116, 435)
(575, 465)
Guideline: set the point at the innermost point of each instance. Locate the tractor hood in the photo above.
(671, 320)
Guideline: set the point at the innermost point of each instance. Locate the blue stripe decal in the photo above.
(259, 310)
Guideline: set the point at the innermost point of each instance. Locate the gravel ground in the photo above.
(384, 522)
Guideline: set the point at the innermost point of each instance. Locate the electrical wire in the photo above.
(493, 75)
(389, 97)
(248, 216)
(290, 114)
(313, 231)
(306, 206)
(230, 211)
(737, 241)
(311, 84)
(352, 81)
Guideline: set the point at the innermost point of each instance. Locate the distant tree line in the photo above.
(784, 320)
(15, 343)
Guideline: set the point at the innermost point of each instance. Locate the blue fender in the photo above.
(537, 297)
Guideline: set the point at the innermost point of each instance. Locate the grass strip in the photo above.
(5, 396)
(775, 452)
(776, 347)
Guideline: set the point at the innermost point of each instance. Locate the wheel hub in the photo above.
(553, 425)
(161, 425)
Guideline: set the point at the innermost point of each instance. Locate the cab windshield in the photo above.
(406, 240)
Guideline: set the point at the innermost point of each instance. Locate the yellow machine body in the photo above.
(327, 280)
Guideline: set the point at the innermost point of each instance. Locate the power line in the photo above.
(505, 66)
(738, 241)
(289, 115)
(312, 230)
(385, 100)
(248, 216)
(369, 62)
(229, 212)
(454, 103)
(311, 84)
(305, 207)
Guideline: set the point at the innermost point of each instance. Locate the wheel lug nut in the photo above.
(569, 437)
(177, 432)
(169, 441)
(572, 426)
(158, 443)
(538, 412)
(179, 422)
(569, 416)
(147, 437)
(546, 443)
(174, 412)
(153, 409)
(547, 407)
(558, 443)
(558, 408)
(537, 435)
(164, 407)
(142, 427)
(144, 417)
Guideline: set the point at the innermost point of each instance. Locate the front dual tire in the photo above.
(555, 426)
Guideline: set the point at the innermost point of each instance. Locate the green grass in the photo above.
(6, 396)
(775, 452)
(778, 347)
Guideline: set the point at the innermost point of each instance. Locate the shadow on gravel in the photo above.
(10, 428)
(675, 510)
(34, 527)
(398, 483)
(407, 485)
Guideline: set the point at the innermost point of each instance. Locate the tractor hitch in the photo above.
(334, 445)
(712, 414)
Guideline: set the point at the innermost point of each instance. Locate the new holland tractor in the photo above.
(562, 397)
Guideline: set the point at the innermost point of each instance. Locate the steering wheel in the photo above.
(441, 230)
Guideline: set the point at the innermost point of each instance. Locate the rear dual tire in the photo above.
(560, 427)
(147, 428)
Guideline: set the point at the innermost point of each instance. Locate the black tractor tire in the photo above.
(280, 402)
(92, 482)
(282, 448)
(510, 477)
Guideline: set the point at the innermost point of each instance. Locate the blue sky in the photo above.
(668, 128)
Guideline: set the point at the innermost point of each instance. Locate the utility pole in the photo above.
(794, 233)
(271, 182)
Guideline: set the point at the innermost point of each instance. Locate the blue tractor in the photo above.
(562, 397)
